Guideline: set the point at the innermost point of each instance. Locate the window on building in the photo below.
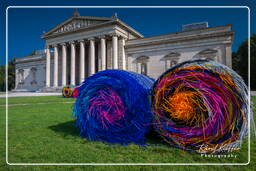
(33, 72)
(21, 76)
(172, 63)
(144, 68)
(209, 54)
(142, 63)
(170, 59)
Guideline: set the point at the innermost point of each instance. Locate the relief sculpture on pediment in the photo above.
(76, 24)
(72, 26)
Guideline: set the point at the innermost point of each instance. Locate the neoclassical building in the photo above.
(83, 45)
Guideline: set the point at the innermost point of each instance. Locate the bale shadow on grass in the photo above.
(66, 128)
(154, 139)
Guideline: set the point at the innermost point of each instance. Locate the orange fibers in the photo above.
(182, 105)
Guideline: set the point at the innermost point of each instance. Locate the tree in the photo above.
(2, 78)
(240, 61)
(253, 62)
(11, 76)
(33, 53)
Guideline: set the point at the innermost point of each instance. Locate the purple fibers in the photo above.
(201, 105)
(114, 106)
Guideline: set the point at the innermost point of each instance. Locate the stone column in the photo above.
(72, 64)
(228, 55)
(98, 57)
(55, 81)
(123, 54)
(64, 64)
(81, 76)
(109, 49)
(48, 67)
(92, 57)
(166, 64)
(103, 53)
(115, 51)
(139, 68)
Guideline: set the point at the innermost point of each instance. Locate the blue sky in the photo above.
(27, 24)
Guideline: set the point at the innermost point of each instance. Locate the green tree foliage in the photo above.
(33, 53)
(253, 62)
(11, 76)
(240, 61)
(2, 78)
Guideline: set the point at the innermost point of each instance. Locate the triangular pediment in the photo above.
(207, 51)
(141, 59)
(76, 23)
(172, 54)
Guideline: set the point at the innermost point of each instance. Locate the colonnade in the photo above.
(91, 58)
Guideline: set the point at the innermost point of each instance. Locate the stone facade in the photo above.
(163, 51)
(82, 46)
(30, 72)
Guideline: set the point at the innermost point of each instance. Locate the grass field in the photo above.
(42, 131)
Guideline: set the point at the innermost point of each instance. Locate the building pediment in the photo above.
(207, 51)
(75, 23)
(141, 59)
(172, 55)
(209, 54)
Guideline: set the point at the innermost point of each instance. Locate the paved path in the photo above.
(26, 104)
(253, 93)
(23, 94)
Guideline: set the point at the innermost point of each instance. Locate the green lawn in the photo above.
(45, 133)
(31, 100)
